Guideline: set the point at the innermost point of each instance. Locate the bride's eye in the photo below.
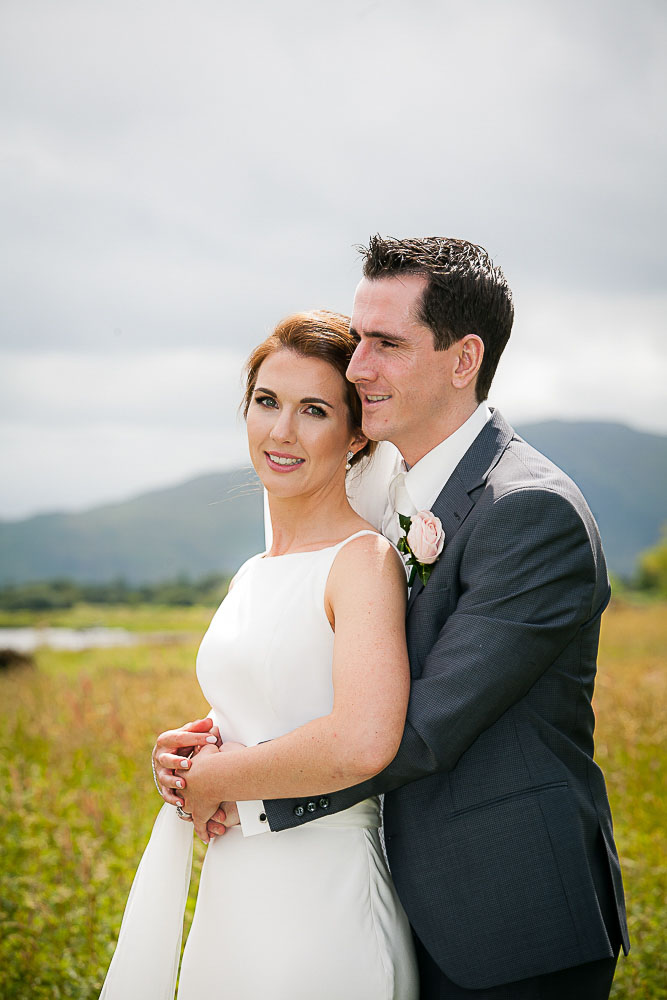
(315, 411)
(266, 401)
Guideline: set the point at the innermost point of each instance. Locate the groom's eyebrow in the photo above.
(379, 335)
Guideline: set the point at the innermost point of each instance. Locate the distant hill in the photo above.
(214, 522)
(206, 525)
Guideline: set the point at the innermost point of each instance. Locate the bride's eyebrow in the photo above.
(306, 400)
(315, 399)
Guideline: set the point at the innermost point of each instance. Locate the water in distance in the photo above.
(27, 640)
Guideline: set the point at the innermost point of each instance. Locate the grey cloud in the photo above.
(177, 177)
(171, 170)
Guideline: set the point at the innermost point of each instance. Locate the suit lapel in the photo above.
(454, 502)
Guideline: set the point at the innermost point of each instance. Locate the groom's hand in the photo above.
(226, 816)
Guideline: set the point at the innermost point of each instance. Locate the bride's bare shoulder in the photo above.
(370, 554)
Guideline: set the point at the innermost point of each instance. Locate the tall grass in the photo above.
(631, 707)
(79, 799)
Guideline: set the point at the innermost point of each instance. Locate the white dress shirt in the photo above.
(408, 491)
(418, 488)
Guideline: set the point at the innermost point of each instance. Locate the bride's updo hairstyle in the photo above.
(317, 334)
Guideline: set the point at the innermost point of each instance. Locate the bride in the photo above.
(305, 667)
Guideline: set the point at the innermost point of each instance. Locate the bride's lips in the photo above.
(289, 463)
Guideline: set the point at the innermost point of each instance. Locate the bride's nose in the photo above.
(284, 428)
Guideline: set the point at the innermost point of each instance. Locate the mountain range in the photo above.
(214, 522)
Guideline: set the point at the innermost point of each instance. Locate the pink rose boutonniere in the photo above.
(422, 543)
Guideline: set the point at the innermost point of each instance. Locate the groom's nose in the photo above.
(360, 368)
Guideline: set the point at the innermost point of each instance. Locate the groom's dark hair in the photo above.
(466, 292)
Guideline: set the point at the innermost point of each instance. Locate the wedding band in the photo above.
(181, 813)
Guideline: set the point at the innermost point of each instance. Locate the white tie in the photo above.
(400, 502)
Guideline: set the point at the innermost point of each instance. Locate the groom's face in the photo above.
(403, 382)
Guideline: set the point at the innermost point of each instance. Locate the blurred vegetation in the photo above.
(630, 706)
(51, 595)
(652, 568)
(151, 618)
(76, 735)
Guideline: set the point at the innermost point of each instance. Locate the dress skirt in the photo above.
(307, 912)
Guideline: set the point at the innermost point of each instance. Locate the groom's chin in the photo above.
(373, 433)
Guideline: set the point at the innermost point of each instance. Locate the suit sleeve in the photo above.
(529, 579)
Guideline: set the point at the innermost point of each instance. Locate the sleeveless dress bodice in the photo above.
(267, 673)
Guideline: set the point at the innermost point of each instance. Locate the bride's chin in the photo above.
(281, 488)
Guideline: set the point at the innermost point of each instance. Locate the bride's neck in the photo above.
(308, 521)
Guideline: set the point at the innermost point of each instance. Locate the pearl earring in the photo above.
(350, 455)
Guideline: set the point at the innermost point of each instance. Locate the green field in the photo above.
(79, 799)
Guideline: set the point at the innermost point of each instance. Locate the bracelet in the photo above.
(155, 777)
(191, 754)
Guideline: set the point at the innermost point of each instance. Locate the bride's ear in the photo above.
(358, 442)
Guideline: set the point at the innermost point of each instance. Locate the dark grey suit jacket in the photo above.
(497, 823)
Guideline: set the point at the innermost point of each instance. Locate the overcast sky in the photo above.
(175, 177)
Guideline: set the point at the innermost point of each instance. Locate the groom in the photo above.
(496, 818)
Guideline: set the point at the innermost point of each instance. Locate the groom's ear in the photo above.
(469, 354)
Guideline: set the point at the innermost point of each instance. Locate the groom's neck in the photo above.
(415, 447)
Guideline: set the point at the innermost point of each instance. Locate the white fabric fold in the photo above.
(145, 963)
(400, 501)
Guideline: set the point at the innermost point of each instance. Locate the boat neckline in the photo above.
(325, 548)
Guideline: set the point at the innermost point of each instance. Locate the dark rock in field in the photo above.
(10, 659)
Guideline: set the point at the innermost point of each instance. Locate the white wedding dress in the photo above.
(305, 912)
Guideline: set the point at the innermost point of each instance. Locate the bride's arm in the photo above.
(365, 597)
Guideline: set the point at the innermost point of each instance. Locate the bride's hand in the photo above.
(214, 732)
(227, 814)
(172, 750)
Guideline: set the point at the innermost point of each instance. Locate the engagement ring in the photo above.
(181, 813)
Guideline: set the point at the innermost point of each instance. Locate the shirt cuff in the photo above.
(253, 817)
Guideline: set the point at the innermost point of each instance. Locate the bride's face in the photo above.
(298, 425)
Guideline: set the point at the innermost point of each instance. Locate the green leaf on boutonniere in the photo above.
(405, 522)
(424, 571)
(403, 546)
